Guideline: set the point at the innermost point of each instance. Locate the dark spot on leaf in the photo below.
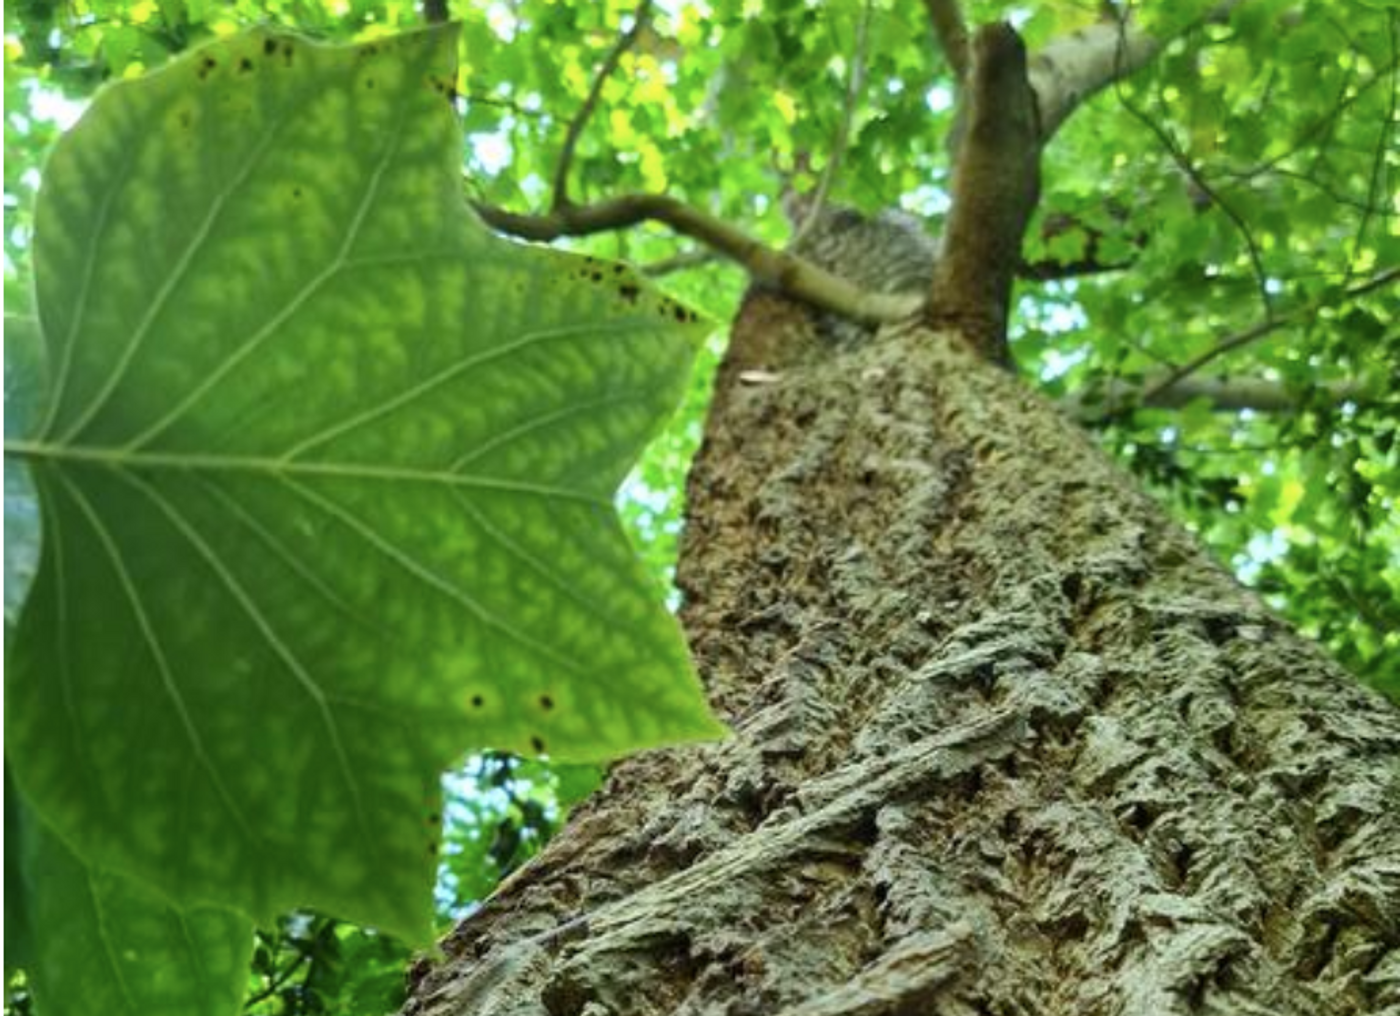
(296, 192)
(245, 66)
(630, 291)
(269, 47)
(537, 743)
(434, 818)
(478, 701)
(432, 850)
(546, 702)
(207, 66)
(444, 87)
(186, 121)
(369, 84)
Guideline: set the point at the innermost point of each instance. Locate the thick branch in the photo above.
(576, 125)
(996, 183)
(951, 31)
(785, 271)
(1068, 70)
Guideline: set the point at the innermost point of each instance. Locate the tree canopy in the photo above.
(1209, 282)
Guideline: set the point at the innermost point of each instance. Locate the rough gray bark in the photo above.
(1006, 741)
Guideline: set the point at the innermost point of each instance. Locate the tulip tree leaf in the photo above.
(326, 476)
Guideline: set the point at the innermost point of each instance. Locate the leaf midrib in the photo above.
(266, 467)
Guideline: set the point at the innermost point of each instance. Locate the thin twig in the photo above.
(1184, 163)
(1227, 396)
(951, 31)
(1378, 162)
(566, 155)
(681, 262)
(1348, 94)
(279, 980)
(785, 271)
(509, 104)
(1261, 329)
(855, 83)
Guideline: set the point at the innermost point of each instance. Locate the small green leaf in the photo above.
(326, 481)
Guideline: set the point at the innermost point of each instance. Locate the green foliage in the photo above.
(310, 965)
(503, 813)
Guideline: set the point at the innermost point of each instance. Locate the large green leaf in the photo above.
(326, 478)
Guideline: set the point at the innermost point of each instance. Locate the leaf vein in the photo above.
(182, 265)
(148, 635)
(254, 342)
(538, 423)
(60, 388)
(431, 579)
(275, 643)
(445, 377)
(287, 557)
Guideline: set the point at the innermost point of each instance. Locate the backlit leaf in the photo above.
(326, 481)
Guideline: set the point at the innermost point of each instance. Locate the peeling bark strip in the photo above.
(1006, 742)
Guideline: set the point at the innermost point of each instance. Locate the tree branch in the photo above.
(1183, 162)
(1223, 394)
(576, 125)
(681, 262)
(786, 271)
(996, 184)
(950, 30)
(1069, 70)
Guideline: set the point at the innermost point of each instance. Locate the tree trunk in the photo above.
(1006, 740)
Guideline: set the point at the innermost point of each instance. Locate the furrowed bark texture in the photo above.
(1006, 741)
